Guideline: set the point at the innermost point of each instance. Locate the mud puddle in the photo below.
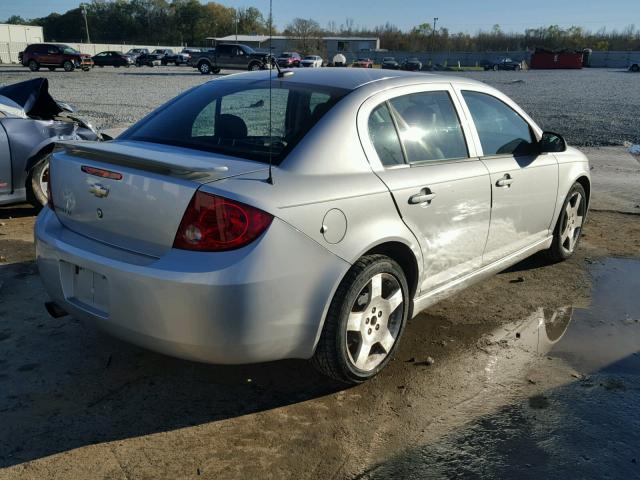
(606, 336)
(581, 418)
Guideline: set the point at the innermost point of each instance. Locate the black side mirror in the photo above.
(551, 143)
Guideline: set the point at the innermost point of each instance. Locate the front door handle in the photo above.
(424, 197)
(505, 181)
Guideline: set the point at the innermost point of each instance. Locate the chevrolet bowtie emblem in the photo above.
(98, 190)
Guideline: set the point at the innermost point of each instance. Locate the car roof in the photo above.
(348, 78)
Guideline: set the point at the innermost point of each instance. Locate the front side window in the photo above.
(239, 119)
(501, 130)
(384, 137)
(429, 127)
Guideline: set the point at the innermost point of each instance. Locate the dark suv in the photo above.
(52, 56)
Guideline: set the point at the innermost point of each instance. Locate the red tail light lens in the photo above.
(215, 224)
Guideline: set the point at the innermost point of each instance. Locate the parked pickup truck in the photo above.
(230, 55)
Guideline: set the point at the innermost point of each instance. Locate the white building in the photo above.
(348, 46)
(15, 38)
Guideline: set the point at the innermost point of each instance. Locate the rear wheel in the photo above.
(635, 68)
(33, 66)
(204, 68)
(68, 66)
(496, 68)
(365, 321)
(566, 234)
(253, 66)
(38, 182)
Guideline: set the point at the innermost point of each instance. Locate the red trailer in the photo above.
(546, 59)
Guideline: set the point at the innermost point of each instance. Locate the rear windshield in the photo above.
(232, 118)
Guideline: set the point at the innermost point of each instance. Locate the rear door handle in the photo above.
(424, 197)
(505, 181)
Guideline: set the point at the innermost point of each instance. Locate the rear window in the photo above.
(233, 118)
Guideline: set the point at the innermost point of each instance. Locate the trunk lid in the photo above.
(140, 207)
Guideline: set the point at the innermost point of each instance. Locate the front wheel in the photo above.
(254, 66)
(68, 66)
(365, 321)
(38, 182)
(635, 68)
(33, 66)
(566, 234)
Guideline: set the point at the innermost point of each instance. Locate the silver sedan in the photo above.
(309, 215)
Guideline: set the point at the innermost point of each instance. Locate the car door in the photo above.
(6, 186)
(53, 56)
(416, 142)
(224, 54)
(524, 183)
(100, 59)
(238, 59)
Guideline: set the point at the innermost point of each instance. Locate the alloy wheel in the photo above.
(571, 226)
(374, 322)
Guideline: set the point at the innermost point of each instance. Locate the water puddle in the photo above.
(606, 336)
(577, 426)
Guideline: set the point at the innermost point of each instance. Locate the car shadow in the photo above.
(64, 385)
(18, 211)
(538, 260)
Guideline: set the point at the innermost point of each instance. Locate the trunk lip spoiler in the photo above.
(125, 156)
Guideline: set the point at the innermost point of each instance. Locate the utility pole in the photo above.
(86, 24)
(236, 25)
(433, 38)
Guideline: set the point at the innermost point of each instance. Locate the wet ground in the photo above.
(586, 427)
(514, 390)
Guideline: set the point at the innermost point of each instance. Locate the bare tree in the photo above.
(305, 33)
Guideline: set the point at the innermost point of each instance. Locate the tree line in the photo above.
(189, 22)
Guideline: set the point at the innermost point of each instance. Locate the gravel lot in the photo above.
(476, 390)
(591, 107)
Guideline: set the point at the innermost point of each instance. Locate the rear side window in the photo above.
(238, 118)
(429, 127)
(501, 130)
(384, 137)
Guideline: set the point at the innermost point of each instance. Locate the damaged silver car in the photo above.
(31, 122)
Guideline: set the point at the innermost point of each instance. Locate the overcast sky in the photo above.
(457, 15)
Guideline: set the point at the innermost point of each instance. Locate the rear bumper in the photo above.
(264, 302)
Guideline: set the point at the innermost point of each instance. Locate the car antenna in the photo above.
(270, 178)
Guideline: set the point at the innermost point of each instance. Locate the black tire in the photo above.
(496, 68)
(204, 68)
(51, 69)
(253, 66)
(68, 66)
(331, 357)
(33, 66)
(36, 195)
(635, 68)
(558, 251)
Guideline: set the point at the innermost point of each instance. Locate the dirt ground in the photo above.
(75, 403)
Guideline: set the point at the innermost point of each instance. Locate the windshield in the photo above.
(388, 59)
(286, 55)
(232, 118)
(310, 57)
(70, 51)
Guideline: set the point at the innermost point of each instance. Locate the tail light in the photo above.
(215, 224)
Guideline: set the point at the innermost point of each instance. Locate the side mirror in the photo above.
(551, 143)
